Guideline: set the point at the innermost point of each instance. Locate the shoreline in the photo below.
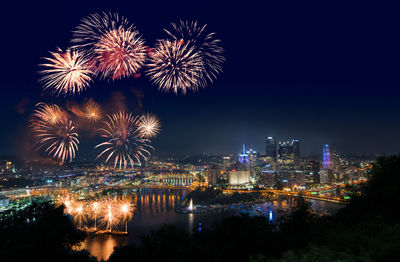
(209, 208)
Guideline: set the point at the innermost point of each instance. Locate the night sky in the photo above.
(319, 73)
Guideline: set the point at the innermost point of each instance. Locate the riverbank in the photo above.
(156, 207)
(203, 209)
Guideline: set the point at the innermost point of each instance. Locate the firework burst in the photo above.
(149, 125)
(54, 132)
(112, 42)
(125, 143)
(65, 72)
(121, 53)
(126, 211)
(48, 113)
(109, 210)
(79, 215)
(175, 66)
(206, 44)
(92, 111)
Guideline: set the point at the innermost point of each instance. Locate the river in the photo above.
(155, 207)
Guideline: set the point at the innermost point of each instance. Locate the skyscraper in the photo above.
(271, 148)
(244, 157)
(326, 157)
(296, 152)
(289, 154)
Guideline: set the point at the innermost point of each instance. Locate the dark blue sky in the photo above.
(321, 73)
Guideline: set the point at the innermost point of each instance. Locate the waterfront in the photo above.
(155, 207)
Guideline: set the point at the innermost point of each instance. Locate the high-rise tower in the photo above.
(271, 148)
(289, 154)
(244, 157)
(326, 157)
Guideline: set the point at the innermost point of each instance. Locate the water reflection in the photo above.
(102, 246)
(190, 222)
(155, 207)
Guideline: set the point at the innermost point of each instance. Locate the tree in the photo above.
(40, 232)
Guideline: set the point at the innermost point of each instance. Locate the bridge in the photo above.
(315, 193)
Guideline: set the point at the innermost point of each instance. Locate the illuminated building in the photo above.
(213, 175)
(4, 201)
(335, 162)
(227, 161)
(252, 163)
(252, 155)
(324, 176)
(239, 177)
(289, 155)
(326, 157)
(311, 168)
(244, 157)
(271, 148)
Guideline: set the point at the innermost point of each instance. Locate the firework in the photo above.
(112, 212)
(126, 211)
(54, 132)
(95, 207)
(206, 44)
(174, 66)
(109, 213)
(121, 53)
(65, 72)
(92, 111)
(149, 125)
(112, 42)
(124, 141)
(69, 205)
(48, 113)
(79, 215)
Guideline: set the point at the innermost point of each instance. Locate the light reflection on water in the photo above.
(155, 207)
(102, 246)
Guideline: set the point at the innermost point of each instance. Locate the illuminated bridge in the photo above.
(173, 179)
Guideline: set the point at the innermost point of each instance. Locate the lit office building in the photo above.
(289, 155)
(326, 157)
(239, 177)
(325, 176)
(311, 169)
(244, 157)
(271, 148)
(213, 175)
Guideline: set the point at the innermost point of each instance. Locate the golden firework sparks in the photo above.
(54, 132)
(92, 111)
(65, 72)
(149, 125)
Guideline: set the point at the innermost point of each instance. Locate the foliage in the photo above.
(39, 232)
(212, 196)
